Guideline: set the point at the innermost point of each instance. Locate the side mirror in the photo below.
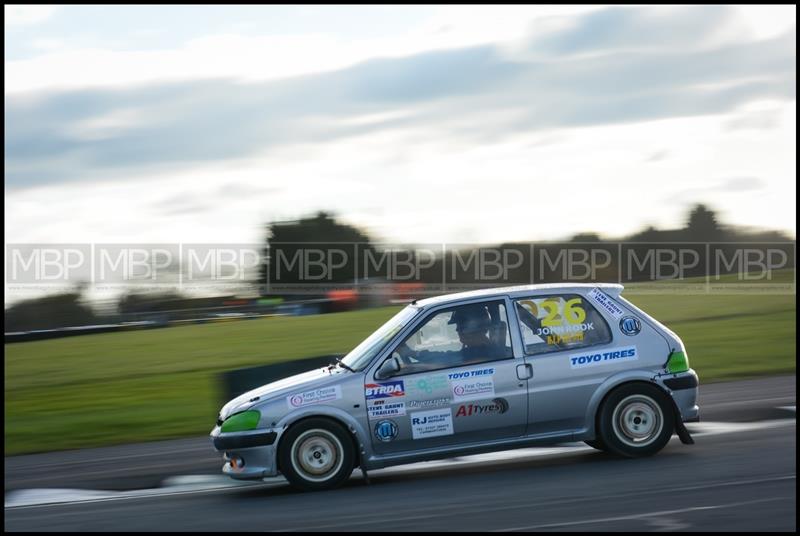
(389, 368)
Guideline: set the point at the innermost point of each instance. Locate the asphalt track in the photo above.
(742, 479)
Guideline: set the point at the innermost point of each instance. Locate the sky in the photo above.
(424, 124)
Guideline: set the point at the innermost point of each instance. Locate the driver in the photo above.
(472, 325)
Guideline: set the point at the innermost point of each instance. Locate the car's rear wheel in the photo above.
(636, 420)
(316, 454)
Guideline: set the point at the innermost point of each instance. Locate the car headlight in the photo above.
(240, 422)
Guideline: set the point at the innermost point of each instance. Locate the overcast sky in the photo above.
(420, 124)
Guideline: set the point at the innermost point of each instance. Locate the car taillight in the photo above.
(677, 362)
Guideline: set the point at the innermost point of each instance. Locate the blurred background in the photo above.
(351, 159)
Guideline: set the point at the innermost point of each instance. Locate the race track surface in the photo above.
(736, 477)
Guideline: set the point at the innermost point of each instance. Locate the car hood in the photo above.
(312, 379)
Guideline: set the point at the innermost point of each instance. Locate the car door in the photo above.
(560, 331)
(458, 382)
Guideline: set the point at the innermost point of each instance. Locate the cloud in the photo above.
(657, 156)
(473, 95)
(757, 120)
(31, 14)
(742, 184)
(732, 185)
(626, 28)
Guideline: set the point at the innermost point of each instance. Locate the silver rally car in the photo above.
(468, 373)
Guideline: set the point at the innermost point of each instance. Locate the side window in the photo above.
(458, 336)
(560, 322)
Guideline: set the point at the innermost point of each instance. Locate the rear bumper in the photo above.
(684, 388)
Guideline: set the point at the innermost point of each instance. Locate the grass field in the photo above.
(157, 384)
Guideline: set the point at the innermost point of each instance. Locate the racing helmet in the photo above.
(471, 318)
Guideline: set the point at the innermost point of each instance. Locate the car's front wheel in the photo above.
(316, 454)
(636, 420)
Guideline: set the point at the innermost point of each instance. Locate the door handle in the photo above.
(525, 372)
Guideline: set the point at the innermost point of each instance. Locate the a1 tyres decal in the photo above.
(495, 407)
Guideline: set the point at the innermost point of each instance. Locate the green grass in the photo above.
(729, 337)
(157, 384)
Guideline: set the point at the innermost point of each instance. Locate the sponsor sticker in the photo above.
(605, 357)
(630, 326)
(496, 406)
(384, 390)
(386, 430)
(317, 396)
(427, 385)
(601, 299)
(385, 408)
(438, 422)
(488, 371)
(472, 389)
(564, 334)
(418, 404)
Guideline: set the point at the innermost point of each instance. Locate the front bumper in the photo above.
(257, 448)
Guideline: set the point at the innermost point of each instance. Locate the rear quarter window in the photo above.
(560, 322)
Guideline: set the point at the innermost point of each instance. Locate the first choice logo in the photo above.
(386, 430)
(498, 405)
(384, 390)
(317, 396)
(473, 388)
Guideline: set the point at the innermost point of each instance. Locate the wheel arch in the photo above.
(608, 386)
(345, 421)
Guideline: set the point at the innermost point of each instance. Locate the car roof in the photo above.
(518, 291)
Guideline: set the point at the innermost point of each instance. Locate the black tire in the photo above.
(636, 420)
(316, 441)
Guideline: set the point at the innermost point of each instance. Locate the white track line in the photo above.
(188, 484)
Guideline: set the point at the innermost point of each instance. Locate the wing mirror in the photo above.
(389, 368)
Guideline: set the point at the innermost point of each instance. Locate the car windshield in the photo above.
(362, 354)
